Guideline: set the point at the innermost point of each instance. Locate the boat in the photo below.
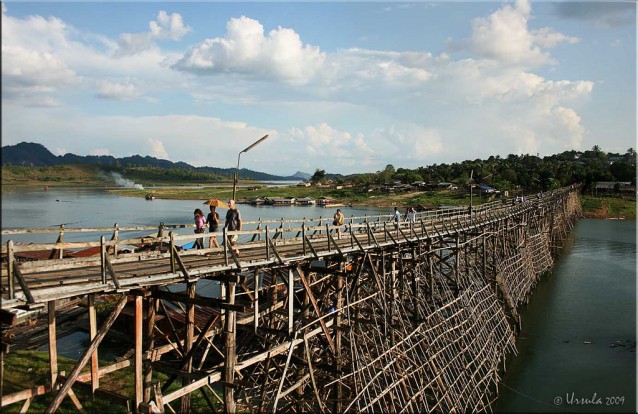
(149, 197)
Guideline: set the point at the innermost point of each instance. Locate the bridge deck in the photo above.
(36, 282)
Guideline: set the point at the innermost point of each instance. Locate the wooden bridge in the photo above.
(412, 318)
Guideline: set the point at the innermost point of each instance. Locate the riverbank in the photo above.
(607, 207)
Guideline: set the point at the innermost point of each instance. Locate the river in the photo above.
(576, 352)
(577, 348)
(89, 207)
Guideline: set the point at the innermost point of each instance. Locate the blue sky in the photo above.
(345, 87)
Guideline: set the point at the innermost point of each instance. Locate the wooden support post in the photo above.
(188, 344)
(53, 349)
(151, 306)
(393, 298)
(291, 301)
(256, 301)
(95, 378)
(302, 372)
(139, 325)
(230, 353)
(10, 264)
(55, 404)
(457, 261)
(339, 304)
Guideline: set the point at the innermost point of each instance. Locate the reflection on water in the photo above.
(579, 330)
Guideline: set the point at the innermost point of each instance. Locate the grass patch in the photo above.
(608, 207)
(26, 369)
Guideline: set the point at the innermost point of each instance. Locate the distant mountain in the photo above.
(30, 154)
(27, 154)
(302, 175)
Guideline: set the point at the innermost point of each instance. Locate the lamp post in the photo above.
(471, 192)
(239, 156)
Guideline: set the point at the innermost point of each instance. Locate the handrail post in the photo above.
(103, 260)
(351, 236)
(61, 240)
(10, 265)
(226, 243)
(328, 236)
(160, 234)
(114, 238)
(303, 237)
(267, 244)
(172, 245)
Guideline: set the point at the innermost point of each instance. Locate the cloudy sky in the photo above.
(346, 87)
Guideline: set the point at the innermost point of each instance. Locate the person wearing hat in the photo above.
(213, 225)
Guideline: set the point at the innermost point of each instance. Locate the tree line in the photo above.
(527, 172)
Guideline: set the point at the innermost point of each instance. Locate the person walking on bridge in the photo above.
(233, 223)
(396, 217)
(200, 222)
(213, 226)
(338, 221)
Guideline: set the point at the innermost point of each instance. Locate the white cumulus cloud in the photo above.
(157, 149)
(246, 49)
(166, 27)
(120, 91)
(504, 36)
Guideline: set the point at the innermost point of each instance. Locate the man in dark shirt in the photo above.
(233, 223)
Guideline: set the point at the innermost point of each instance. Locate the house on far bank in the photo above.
(326, 201)
(486, 189)
(282, 201)
(614, 186)
(306, 201)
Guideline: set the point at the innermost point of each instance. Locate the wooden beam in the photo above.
(107, 263)
(201, 301)
(151, 307)
(230, 352)
(53, 349)
(315, 305)
(95, 367)
(188, 344)
(139, 325)
(23, 284)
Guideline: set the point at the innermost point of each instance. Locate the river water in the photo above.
(576, 352)
(86, 207)
(577, 349)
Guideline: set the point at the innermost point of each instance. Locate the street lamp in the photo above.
(471, 180)
(239, 156)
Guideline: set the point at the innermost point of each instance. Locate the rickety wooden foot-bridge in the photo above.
(414, 318)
